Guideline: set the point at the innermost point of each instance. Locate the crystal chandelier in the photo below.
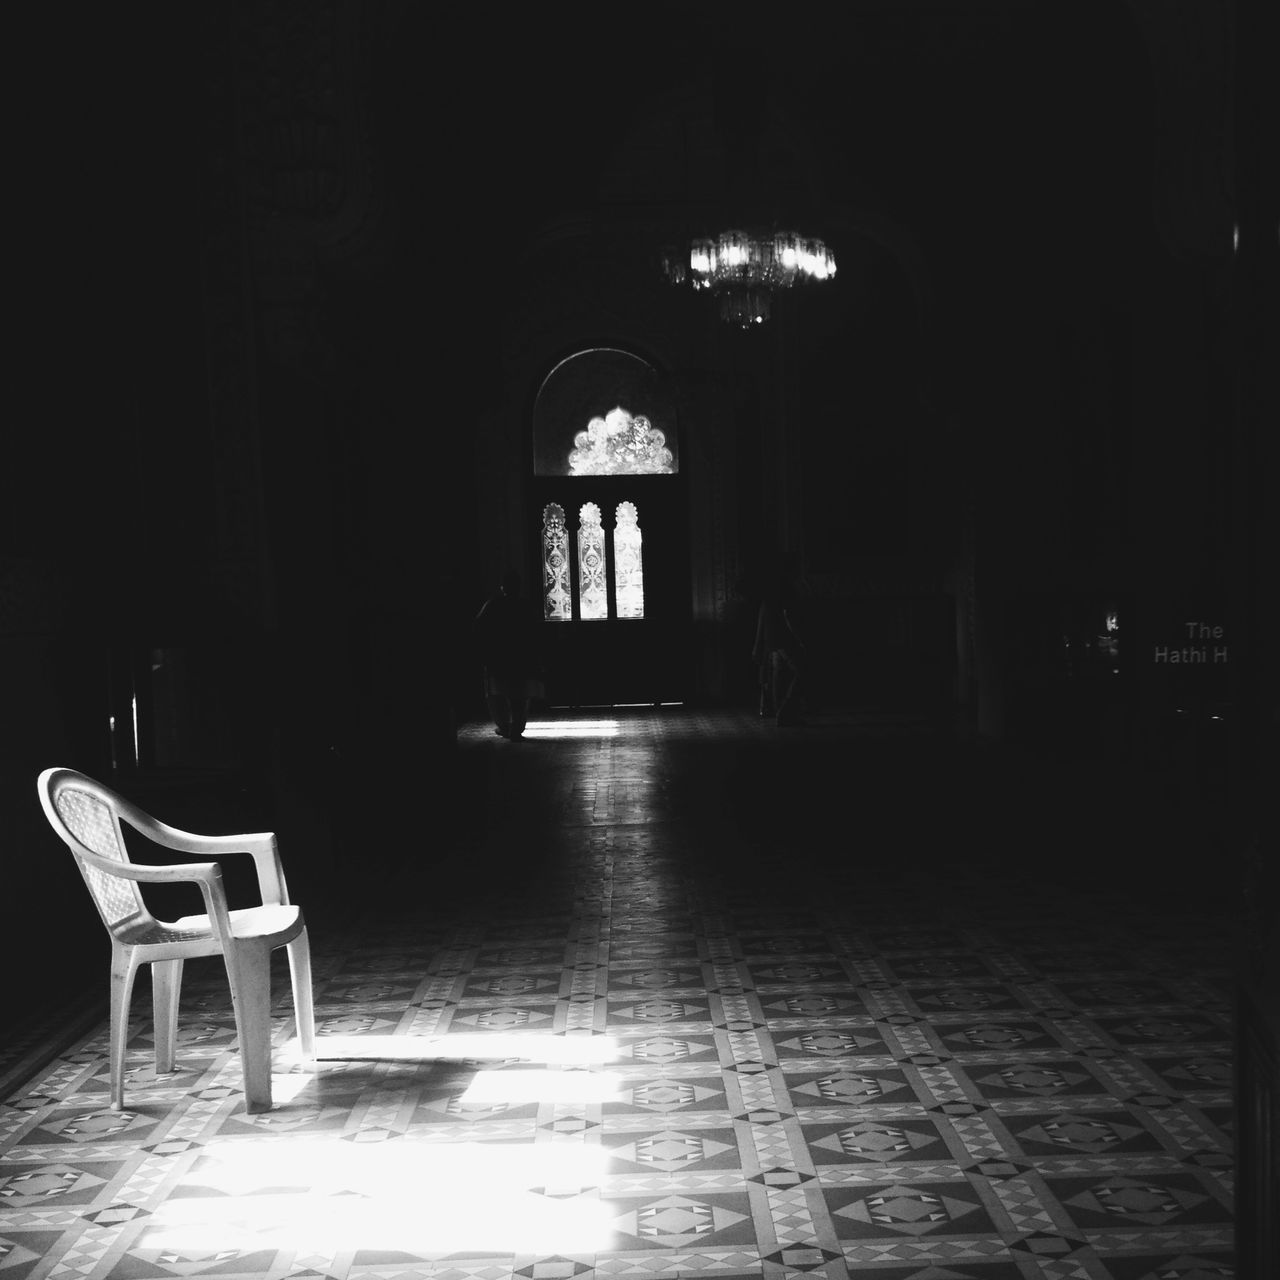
(743, 268)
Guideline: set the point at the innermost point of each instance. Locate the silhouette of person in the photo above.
(779, 652)
(506, 630)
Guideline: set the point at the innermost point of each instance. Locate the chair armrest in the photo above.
(208, 875)
(261, 845)
(199, 872)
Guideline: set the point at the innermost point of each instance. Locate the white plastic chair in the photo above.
(87, 816)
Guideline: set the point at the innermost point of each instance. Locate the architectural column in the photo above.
(710, 456)
(1255, 682)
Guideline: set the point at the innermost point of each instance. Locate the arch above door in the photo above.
(605, 411)
(612, 530)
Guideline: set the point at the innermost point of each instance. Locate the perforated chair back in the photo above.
(84, 815)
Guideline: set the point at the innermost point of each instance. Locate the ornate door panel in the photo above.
(614, 576)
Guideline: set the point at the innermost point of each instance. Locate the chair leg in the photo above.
(303, 1008)
(249, 971)
(124, 966)
(166, 983)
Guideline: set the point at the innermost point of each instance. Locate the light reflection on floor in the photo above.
(416, 1195)
(531, 1046)
(515, 1088)
(572, 729)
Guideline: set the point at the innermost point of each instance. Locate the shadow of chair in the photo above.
(87, 816)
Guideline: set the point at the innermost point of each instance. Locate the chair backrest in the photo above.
(86, 815)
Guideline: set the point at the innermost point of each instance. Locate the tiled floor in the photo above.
(693, 994)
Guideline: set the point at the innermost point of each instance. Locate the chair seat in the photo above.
(274, 924)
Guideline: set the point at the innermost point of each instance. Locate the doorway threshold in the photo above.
(611, 706)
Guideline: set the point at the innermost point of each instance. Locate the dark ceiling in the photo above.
(928, 112)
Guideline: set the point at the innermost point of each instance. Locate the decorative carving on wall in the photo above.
(313, 198)
(306, 72)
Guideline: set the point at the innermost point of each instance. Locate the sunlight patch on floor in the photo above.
(462, 1046)
(418, 1196)
(515, 1088)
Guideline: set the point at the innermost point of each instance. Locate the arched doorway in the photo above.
(610, 507)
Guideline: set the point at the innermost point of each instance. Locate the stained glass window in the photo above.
(605, 412)
(610, 572)
(593, 603)
(620, 443)
(557, 604)
(628, 570)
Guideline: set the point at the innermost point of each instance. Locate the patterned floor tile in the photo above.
(674, 1150)
(1039, 1078)
(1114, 1200)
(908, 1211)
(1096, 1133)
(879, 1141)
(847, 1085)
